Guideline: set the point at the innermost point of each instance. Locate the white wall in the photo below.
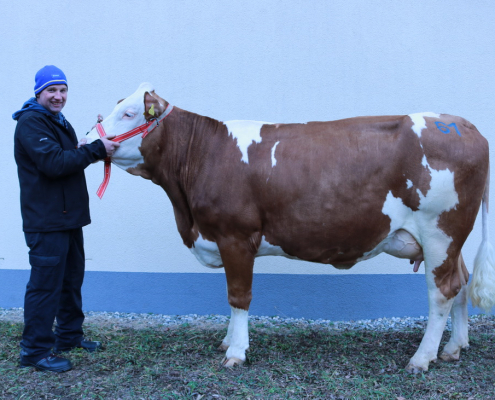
(279, 61)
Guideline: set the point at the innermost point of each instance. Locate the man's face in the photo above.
(53, 98)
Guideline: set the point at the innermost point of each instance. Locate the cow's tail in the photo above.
(482, 287)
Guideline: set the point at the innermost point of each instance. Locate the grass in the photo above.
(284, 363)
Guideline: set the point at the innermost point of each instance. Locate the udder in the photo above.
(403, 245)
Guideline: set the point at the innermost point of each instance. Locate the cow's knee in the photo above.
(240, 301)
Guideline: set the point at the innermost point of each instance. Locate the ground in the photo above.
(286, 361)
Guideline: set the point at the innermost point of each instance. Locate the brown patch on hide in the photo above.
(451, 275)
(323, 200)
(462, 270)
(413, 174)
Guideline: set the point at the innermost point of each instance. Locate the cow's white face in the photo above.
(127, 115)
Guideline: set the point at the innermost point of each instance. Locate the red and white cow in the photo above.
(333, 192)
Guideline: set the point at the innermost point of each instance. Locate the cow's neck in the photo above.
(175, 154)
(173, 158)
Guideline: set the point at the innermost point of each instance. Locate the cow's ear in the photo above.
(154, 105)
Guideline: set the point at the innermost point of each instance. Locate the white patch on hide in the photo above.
(267, 249)
(239, 339)
(207, 253)
(409, 184)
(419, 122)
(128, 154)
(245, 133)
(274, 160)
(423, 223)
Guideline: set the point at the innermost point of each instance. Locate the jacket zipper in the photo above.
(63, 195)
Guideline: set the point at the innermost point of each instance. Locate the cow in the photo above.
(335, 192)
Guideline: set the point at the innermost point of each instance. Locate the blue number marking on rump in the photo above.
(455, 126)
(442, 127)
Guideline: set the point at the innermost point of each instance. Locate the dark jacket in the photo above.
(54, 195)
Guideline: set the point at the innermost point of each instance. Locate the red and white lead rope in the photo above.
(145, 129)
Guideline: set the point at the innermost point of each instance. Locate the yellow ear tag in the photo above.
(151, 111)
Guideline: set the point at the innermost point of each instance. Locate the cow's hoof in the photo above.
(416, 369)
(223, 347)
(453, 352)
(449, 357)
(231, 362)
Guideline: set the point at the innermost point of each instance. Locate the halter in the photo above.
(145, 129)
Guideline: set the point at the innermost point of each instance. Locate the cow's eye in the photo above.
(129, 115)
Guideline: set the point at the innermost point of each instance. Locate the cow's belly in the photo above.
(399, 244)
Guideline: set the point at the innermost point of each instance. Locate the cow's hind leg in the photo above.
(459, 338)
(459, 318)
(439, 310)
(238, 260)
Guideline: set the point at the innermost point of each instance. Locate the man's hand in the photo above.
(111, 147)
(82, 142)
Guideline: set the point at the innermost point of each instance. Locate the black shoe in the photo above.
(51, 363)
(90, 346)
(87, 345)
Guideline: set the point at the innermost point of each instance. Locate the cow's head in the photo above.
(128, 114)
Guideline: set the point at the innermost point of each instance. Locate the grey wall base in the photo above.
(345, 297)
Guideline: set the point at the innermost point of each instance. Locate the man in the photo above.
(54, 208)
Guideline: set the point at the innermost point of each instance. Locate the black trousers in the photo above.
(53, 291)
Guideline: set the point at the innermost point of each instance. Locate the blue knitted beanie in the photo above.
(47, 76)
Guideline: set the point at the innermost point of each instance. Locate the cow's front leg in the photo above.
(439, 310)
(224, 346)
(238, 260)
(239, 341)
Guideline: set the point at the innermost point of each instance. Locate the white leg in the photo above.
(228, 337)
(459, 338)
(239, 338)
(439, 310)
